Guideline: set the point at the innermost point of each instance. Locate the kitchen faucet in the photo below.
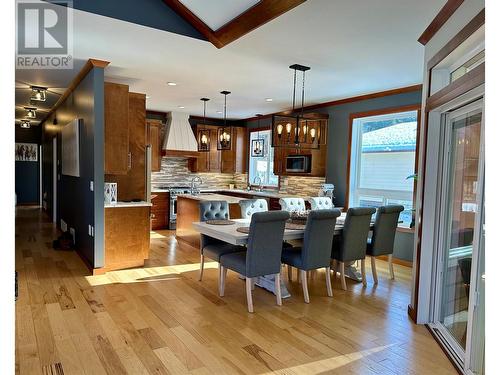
(260, 181)
(195, 179)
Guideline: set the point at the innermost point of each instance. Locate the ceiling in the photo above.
(216, 14)
(353, 47)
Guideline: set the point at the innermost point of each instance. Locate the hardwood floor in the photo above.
(160, 320)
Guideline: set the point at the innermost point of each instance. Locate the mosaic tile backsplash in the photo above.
(175, 172)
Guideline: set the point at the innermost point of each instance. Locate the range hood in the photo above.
(180, 139)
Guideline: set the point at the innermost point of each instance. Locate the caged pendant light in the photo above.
(204, 133)
(224, 133)
(258, 144)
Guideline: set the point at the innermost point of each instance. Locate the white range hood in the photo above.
(180, 136)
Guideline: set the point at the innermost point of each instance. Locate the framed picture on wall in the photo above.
(26, 152)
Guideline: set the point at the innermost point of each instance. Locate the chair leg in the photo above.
(298, 276)
(333, 265)
(248, 283)
(391, 268)
(202, 264)
(219, 277)
(374, 270)
(363, 271)
(223, 274)
(342, 276)
(289, 272)
(328, 282)
(277, 287)
(303, 276)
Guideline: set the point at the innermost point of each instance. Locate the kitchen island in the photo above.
(188, 211)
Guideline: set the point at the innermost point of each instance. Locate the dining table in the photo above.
(231, 234)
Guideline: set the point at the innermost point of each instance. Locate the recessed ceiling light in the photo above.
(269, 99)
(25, 124)
(38, 94)
(171, 83)
(181, 106)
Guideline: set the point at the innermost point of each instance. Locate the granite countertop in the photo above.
(212, 197)
(264, 193)
(127, 204)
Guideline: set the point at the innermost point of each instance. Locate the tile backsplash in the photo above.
(175, 172)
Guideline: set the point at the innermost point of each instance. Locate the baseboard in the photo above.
(401, 262)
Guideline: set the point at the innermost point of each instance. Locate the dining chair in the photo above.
(263, 254)
(292, 204)
(251, 206)
(316, 249)
(351, 246)
(321, 203)
(382, 241)
(210, 247)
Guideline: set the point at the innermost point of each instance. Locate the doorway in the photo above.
(459, 284)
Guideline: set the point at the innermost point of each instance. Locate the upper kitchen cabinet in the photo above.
(116, 129)
(225, 161)
(153, 129)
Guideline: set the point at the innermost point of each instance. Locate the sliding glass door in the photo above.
(460, 260)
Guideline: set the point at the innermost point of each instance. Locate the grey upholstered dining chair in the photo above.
(263, 254)
(211, 247)
(351, 246)
(320, 203)
(316, 249)
(382, 241)
(251, 206)
(292, 204)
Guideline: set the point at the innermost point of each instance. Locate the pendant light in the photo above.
(297, 129)
(224, 133)
(258, 144)
(204, 133)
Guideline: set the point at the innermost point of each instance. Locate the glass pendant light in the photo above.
(258, 144)
(224, 133)
(204, 134)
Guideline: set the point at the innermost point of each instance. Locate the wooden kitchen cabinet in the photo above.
(116, 129)
(225, 161)
(154, 140)
(318, 161)
(160, 210)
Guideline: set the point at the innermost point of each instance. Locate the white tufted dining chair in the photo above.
(321, 203)
(292, 204)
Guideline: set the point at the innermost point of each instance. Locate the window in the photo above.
(261, 166)
(383, 152)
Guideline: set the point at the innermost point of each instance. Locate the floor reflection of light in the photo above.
(138, 275)
(156, 235)
(334, 362)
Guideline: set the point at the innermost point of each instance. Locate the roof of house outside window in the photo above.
(398, 137)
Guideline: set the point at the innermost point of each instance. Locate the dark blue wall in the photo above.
(338, 133)
(150, 13)
(27, 172)
(77, 205)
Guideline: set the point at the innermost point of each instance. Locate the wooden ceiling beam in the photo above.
(254, 17)
(444, 15)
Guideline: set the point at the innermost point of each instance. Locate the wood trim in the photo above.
(401, 262)
(254, 17)
(467, 82)
(444, 15)
(89, 65)
(376, 112)
(458, 39)
(352, 99)
(180, 154)
(412, 313)
(258, 15)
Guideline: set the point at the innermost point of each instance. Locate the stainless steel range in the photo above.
(174, 192)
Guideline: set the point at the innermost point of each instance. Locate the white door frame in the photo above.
(440, 231)
(54, 179)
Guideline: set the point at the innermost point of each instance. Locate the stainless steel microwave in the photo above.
(298, 163)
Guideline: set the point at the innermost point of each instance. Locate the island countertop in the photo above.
(212, 197)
